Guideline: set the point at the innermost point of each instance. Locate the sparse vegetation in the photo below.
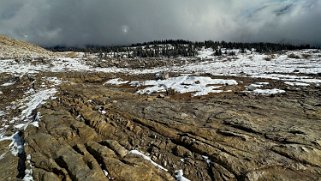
(292, 55)
(306, 56)
(11, 48)
(270, 57)
(71, 54)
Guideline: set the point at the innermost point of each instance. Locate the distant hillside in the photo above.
(11, 48)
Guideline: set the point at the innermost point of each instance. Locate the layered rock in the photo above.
(230, 138)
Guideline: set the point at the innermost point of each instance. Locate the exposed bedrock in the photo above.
(89, 132)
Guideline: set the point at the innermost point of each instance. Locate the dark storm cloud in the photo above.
(80, 22)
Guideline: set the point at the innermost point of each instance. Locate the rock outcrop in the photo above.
(90, 131)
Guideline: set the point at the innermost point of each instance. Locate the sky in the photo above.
(119, 22)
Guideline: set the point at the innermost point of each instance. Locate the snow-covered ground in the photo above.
(2, 113)
(206, 53)
(256, 88)
(8, 84)
(297, 84)
(182, 84)
(267, 91)
(180, 176)
(292, 71)
(117, 81)
(254, 65)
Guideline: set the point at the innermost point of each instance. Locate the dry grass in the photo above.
(72, 55)
(20, 44)
(11, 48)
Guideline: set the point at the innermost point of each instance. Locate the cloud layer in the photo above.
(110, 22)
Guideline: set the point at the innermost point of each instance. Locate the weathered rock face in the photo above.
(90, 131)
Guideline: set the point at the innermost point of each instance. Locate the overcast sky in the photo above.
(110, 22)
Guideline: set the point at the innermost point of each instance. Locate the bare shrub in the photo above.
(306, 56)
(292, 55)
(269, 58)
(170, 92)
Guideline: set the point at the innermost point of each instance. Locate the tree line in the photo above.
(174, 48)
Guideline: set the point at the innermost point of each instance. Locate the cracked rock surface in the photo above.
(90, 130)
(60, 119)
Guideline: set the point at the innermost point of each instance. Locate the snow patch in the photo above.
(183, 84)
(262, 83)
(179, 176)
(8, 84)
(186, 84)
(136, 152)
(268, 91)
(34, 101)
(29, 104)
(3, 155)
(206, 158)
(206, 53)
(290, 78)
(16, 146)
(28, 176)
(309, 80)
(20, 126)
(256, 85)
(106, 173)
(297, 84)
(28, 172)
(116, 81)
(54, 80)
(72, 64)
